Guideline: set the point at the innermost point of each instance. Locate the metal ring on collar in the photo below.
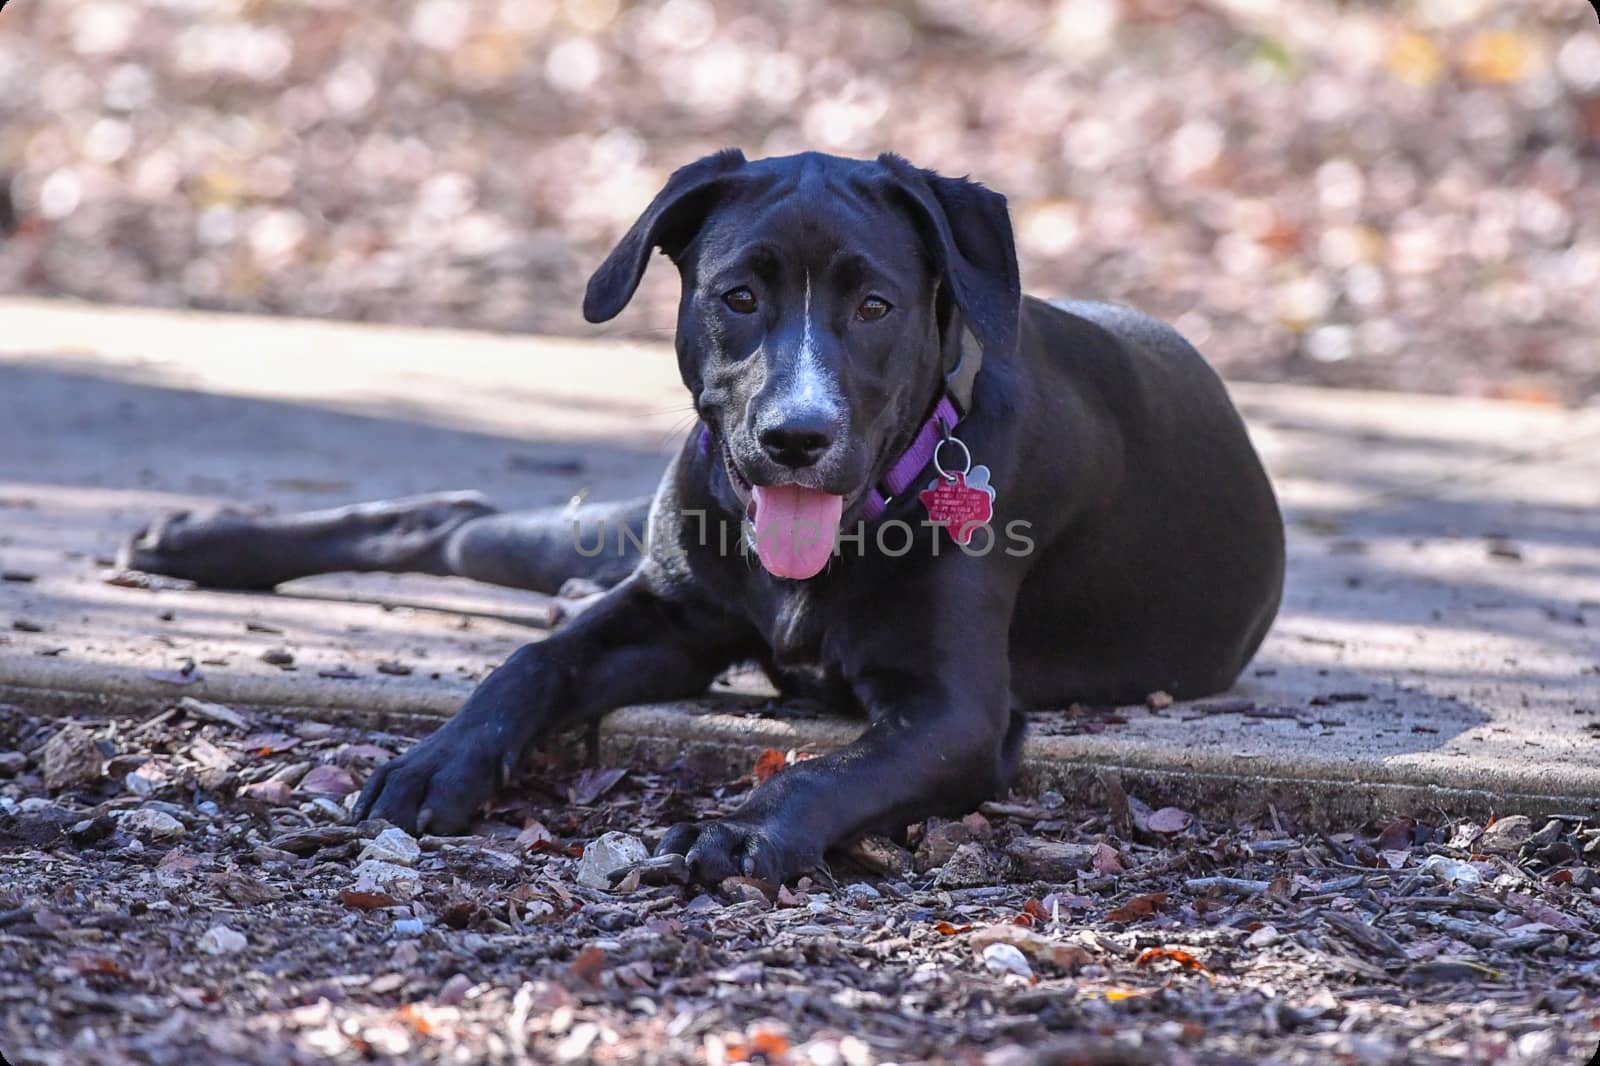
(951, 439)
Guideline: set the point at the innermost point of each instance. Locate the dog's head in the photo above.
(824, 302)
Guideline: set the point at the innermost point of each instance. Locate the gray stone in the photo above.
(611, 851)
(386, 876)
(862, 892)
(153, 825)
(1006, 958)
(1506, 834)
(393, 845)
(1451, 871)
(971, 864)
(222, 940)
(71, 758)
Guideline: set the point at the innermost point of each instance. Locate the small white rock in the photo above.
(155, 825)
(374, 873)
(612, 851)
(575, 1045)
(393, 845)
(1005, 958)
(408, 926)
(220, 940)
(1450, 870)
(1264, 937)
(327, 809)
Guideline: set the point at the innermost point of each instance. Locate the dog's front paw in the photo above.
(436, 787)
(730, 847)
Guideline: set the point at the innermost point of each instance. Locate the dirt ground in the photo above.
(1399, 195)
(183, 887)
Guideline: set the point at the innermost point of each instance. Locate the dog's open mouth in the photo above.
(793, 526)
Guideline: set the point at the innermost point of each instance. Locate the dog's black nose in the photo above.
(798, 442)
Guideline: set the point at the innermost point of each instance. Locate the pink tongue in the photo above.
(795, 528)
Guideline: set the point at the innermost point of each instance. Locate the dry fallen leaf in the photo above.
(328, 781)
(768, 1044)
(1170, 820)
(413, 1017)
(1177, 955)
(1397, 835)
(769, 763)
(366, 901)
(272, 791)
(590, 785)
(588, 965)
(1033, 913)
(1138, 907)
(362, 755)
(534, 834)
(265, 744)
(100, 966)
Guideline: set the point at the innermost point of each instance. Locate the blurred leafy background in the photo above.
(1399, 195)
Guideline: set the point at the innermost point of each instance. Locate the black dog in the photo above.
(1036, 504)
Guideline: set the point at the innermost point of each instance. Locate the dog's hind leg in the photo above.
(598, 543)
(456, 533)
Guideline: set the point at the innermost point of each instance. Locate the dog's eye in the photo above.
(741, 300)
(873, 308)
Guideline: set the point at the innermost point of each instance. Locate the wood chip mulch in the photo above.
(186, 888)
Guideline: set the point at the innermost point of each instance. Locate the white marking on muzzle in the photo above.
(813, 389)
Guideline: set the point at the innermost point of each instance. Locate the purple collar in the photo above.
(906, 469)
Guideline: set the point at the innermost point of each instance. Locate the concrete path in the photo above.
(1439, 646)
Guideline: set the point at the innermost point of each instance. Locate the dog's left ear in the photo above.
(670, 222)
(970, 234)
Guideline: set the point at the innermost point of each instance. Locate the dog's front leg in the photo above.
(934, 751)
(937, 685)
(632, 646)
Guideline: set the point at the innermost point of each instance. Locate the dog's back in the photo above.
(1169, 578)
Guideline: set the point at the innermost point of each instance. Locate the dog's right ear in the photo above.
(670, 222)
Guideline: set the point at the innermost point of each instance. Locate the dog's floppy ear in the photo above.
(671, 220)
(969, 230)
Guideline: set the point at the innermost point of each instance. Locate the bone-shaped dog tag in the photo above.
(960, 502)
